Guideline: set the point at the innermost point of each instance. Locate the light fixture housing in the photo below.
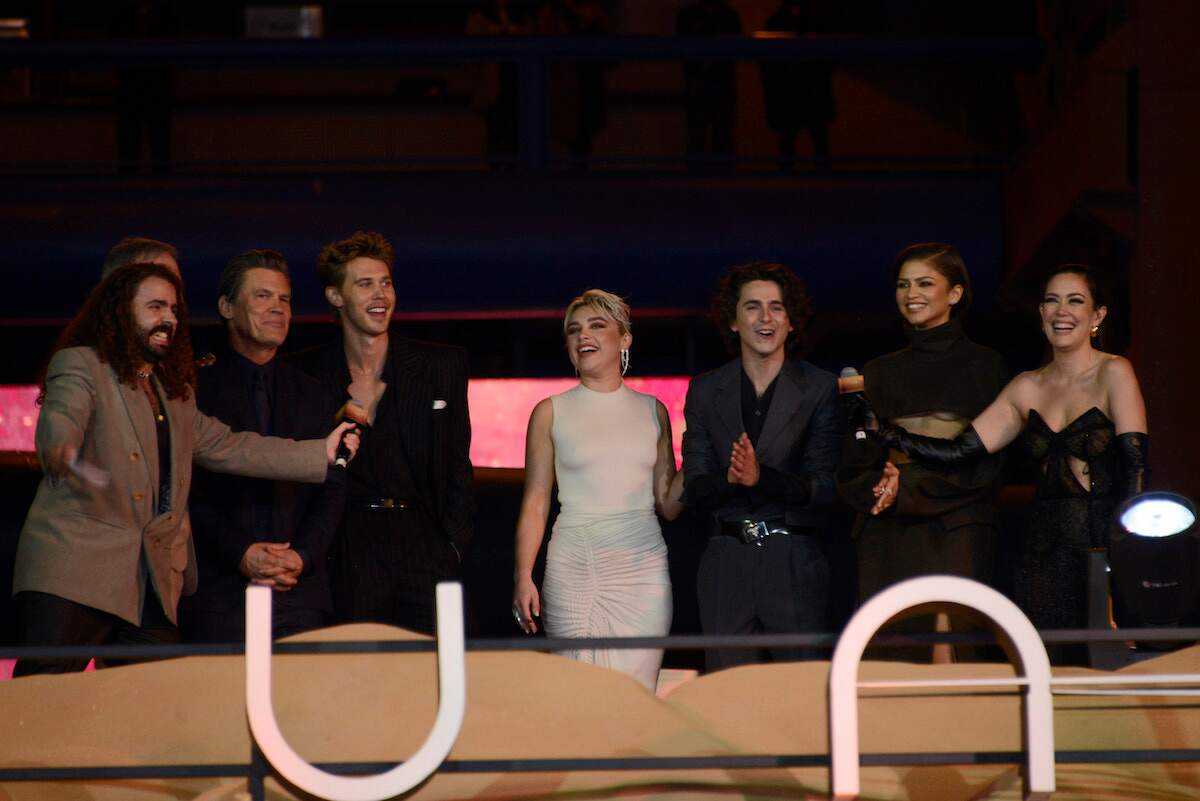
(1154, 554)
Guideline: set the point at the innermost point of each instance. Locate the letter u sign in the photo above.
(400, 779)
(843, 675)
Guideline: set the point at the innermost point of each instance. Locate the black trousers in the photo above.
(780, 587)
(386, 564)
(51, 620)
(229, 625)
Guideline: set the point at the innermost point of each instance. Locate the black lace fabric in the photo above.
(1068, 518)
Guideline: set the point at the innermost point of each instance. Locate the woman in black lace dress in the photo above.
(1085, 422)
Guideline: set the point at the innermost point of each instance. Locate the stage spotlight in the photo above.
(1154, 556)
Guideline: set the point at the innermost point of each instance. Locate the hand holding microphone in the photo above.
(352, 422)
(858, 414)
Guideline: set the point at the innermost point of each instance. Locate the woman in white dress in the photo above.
(609, 449)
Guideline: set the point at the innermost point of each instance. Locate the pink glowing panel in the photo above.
(7, 665)
(18, 417)
(500, 409)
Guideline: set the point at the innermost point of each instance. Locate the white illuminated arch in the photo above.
(843, 675)
(400, 779)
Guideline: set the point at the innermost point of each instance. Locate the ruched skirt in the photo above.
(606, 576)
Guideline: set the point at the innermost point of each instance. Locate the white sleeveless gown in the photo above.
(606, 564)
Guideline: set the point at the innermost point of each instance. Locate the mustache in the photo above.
(166, 328)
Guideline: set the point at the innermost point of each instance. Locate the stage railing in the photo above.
(385, 780)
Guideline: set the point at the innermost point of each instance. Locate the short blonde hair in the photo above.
(606, 303)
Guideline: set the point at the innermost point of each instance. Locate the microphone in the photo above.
(351, 412)
(852, 385)
(850, 382)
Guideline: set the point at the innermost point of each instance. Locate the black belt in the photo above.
(752, 531)
(381, 504)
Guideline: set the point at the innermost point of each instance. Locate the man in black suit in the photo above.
(247, 530)
(762, 441)
(408, 517)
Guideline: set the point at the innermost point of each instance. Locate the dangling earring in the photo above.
(1095, 331)
(624, 360)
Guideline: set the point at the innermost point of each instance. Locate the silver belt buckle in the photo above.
(754, 531)
(387, 503)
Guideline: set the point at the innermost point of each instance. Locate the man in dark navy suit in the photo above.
(273, 533)
(762, 441)
(409, 507)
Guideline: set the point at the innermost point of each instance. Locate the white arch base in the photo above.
(843, 675)
(400, 779)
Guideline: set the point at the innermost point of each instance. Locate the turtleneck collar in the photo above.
(934, 340)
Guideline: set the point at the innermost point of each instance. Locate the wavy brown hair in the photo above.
(332, 261)
(106, 325)
(791, 288)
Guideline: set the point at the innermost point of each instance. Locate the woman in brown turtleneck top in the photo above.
(912, 519)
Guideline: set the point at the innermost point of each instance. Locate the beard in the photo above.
(152, 351)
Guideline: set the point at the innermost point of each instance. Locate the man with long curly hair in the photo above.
(763, 438)
(101, 555)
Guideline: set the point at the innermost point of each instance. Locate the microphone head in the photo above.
(849, 381)
(353, 411)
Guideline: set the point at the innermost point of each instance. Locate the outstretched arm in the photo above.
(66, 412)
(995, 427)
(535, 508)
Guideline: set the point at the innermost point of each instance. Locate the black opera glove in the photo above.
(963, 449)
(1132, 448)
(854, 404)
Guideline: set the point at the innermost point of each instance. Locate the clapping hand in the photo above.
(743, 463)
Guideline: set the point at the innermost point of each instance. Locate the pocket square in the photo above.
(438, 403)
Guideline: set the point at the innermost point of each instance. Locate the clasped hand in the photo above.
(272, 564)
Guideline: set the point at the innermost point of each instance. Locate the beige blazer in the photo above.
(85, 543)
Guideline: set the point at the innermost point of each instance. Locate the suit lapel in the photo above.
(789, 407)
(232, 402)
(175, 433)
(284, 403)
(411, 400)
(142, 421)
(728, 403)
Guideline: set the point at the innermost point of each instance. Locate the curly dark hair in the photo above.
(106, 324)
(332, 261)
(795, 300)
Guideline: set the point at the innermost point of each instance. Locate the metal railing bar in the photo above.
(675, 642)
(899, 759)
